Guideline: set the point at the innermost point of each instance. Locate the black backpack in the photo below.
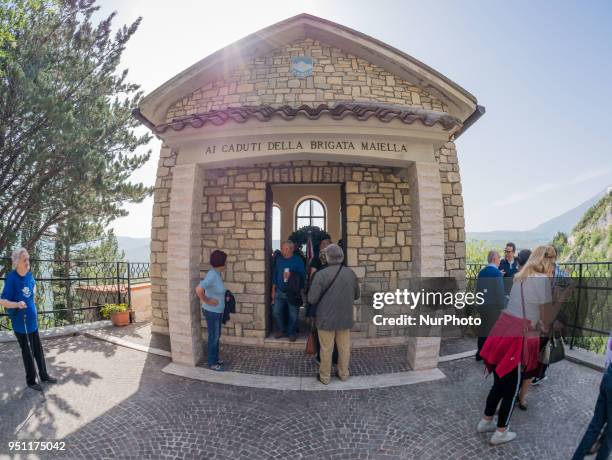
(230, 306)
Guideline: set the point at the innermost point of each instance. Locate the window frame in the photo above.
(311, 216)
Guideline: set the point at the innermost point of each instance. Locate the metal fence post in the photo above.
(129, 286)
(575, 325)
(118, 267)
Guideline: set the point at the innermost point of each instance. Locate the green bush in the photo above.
(107, 310)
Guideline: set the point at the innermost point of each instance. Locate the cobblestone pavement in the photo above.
(291, 363)
(295, 363)
(114, 402)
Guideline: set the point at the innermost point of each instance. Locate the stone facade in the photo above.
(337, 76)
(159, 240)
(379, 225)
(378, 229)
(454, 220)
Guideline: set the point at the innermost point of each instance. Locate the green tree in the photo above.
(81, 250)
(477, 251)
(560, 243)
(67, 140)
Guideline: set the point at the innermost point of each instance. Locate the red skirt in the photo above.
(511, 343)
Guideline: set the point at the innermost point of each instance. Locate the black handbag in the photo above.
(557, 349)
(553, 351)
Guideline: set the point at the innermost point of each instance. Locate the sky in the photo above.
(542, 70)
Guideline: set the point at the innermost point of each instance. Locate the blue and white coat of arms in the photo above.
(301, 66)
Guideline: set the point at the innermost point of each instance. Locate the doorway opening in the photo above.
(290, 207)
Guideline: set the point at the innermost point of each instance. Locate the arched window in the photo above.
(276, 226)
(310, 212)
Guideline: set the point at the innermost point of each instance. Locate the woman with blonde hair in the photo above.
(512, 347)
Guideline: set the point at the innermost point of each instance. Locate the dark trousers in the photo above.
(601, 417)
(481, 341)
(505, 389)
(39, 356)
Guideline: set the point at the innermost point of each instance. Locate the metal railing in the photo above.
(73, 292)
(588, 309)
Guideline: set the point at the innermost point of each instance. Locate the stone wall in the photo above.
(159, 239)
(454, 220)
(337, 76)
(378, 229)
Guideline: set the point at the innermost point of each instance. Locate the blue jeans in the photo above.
(282, 307)
(213, 324)
(601, 417)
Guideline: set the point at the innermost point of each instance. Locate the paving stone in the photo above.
(114, 402)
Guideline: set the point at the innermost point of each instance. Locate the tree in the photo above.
(477, 251)
(81, 250)
(560, 243)
(67, 141)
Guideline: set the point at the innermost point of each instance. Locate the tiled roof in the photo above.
(361, 111)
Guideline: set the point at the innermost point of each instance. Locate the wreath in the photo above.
(300, 237)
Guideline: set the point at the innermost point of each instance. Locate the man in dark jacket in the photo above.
(490, 284)
(334, 290)
(509, 266)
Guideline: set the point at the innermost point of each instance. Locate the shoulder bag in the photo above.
(311, 341)
(554, 351)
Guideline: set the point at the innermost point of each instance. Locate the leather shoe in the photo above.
(342, 379)
(49, 379)
(278, 335)
(36, 387)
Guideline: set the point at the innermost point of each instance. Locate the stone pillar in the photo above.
(427, 213)
(184, 255)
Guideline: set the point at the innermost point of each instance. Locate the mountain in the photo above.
(591, 238)
(566, 221)
(136, 249)
(543, 233)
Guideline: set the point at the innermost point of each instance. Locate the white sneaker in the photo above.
(485, 426)
(500, 437)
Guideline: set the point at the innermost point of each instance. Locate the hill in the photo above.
(543, 233)
(591, 238)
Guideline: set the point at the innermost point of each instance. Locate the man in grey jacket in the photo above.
(334, 290)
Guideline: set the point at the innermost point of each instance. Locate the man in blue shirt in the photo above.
(18, 300)
(285, 265)
(509, 266)
(490, 283)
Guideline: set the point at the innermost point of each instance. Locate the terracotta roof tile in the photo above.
(361, 111)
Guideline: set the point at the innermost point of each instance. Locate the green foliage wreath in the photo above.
(300, 237)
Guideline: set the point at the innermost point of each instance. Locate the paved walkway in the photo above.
(114, 402)
(285, 363)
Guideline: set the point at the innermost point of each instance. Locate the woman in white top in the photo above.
(514, 342)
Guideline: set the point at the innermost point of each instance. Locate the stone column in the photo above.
(184, 255)
(427, 213)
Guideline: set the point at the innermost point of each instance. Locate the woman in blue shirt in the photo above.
(211, 293)
(18, 300)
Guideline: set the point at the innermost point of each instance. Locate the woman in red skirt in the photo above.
(513, 345)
